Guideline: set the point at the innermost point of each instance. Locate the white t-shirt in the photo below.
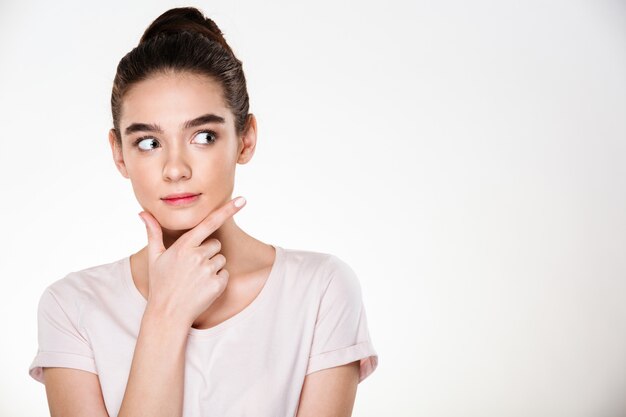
(308, 316)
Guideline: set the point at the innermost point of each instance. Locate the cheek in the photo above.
(142, 193)
(215, 171)
(143, 187)
(144, 182)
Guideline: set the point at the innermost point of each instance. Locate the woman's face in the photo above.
(178, 136)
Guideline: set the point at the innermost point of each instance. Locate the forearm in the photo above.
(155, 384)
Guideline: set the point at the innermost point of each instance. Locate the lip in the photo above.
(180, 198)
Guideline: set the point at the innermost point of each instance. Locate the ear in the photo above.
(248, 140)
(118, 157)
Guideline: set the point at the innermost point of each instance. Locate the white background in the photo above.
(466, 158)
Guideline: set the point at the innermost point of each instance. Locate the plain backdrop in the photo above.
(466, 158)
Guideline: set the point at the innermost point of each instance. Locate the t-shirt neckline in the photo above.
(247, 311)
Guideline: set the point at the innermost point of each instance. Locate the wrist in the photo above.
(164, 319)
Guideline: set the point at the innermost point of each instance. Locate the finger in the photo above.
(223, 274)
(211, 223)
(210, 247)
(155, 236)
(218, 261)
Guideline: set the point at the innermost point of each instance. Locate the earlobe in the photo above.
(248, 140)
(116, 151)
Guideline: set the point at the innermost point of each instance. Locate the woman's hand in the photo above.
(186, 278)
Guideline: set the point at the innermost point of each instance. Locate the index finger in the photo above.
(211, 223)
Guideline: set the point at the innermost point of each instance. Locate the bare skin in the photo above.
(198, 268)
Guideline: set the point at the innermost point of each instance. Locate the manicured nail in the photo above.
(240, 201)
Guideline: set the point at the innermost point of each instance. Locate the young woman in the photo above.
(205, 320)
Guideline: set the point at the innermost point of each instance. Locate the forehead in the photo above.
(170, 99)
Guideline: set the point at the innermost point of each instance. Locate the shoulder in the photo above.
(314, 261)
(323, 268)
(87, 283)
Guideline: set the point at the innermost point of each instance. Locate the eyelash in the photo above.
(210, 142)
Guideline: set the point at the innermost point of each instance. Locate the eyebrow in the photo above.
(198, 121)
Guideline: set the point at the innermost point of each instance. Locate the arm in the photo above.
(330, 392)
(155, 383)
(64, 388)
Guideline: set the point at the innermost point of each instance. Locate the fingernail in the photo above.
(144, 222)
(240, 201)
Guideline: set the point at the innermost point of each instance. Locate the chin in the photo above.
(180, 220)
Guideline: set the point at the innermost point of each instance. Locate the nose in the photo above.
(176, 166)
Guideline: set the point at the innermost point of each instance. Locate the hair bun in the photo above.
(178, 41)
(185, 19)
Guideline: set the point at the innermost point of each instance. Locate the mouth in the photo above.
(180, 198)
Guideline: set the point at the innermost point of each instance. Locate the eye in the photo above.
(146, 143)
(208, 136)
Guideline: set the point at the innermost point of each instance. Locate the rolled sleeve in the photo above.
(61, 344)
(341, 331)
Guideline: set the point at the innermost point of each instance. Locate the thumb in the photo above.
(155, 236)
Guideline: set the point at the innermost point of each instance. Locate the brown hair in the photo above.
(183, 39)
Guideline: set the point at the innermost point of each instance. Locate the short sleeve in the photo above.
(60, 342)
(341, 331)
